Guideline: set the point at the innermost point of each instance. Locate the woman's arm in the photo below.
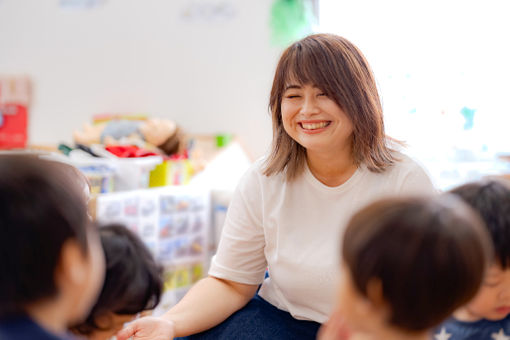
(208, 303)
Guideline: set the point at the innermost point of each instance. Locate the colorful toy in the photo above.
(161, 133)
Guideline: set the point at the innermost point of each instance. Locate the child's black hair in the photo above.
(491, 199)
(41, 206)
(133, 281)
(429, 254)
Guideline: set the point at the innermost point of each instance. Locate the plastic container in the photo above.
(171, 172)
(99, 172)
(101, 178)
(114, 174)
(134, 173)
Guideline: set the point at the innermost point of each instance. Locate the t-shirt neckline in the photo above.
(339, 188)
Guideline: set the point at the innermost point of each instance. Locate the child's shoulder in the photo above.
(477, 330)
(22, 327)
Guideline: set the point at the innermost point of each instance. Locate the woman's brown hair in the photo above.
(337, 67)
(429, 254)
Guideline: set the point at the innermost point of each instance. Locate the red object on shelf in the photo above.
(129, 151)
(13, 126)
(14, 103)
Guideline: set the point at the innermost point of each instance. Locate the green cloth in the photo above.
(291, 20)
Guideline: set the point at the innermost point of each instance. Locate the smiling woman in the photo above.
(308, 110)
(315, 122)
(326, 84)
(329, 158)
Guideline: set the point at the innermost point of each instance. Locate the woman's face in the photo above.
(314, 120)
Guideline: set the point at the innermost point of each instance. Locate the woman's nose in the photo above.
(309, 106)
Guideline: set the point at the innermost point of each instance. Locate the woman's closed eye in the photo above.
(291, 96)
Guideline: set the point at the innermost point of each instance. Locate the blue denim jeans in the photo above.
(260, 320)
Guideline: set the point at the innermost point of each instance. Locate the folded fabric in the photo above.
(129, 151)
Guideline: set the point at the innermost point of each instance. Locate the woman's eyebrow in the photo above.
(292, 87)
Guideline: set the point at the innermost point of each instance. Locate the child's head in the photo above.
(132, 284)
(49, 250)
(408, 263)
(340, 72)
(491, 199)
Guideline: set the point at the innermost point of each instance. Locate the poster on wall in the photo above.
(209, 11)
(81, 4)
(14, 104)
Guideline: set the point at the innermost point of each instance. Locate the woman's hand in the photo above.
(149, 327)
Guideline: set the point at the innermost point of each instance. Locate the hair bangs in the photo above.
(310, 65)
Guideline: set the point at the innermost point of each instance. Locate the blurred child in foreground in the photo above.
(51, 257)
(408, 263)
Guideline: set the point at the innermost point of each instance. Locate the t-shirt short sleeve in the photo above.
(240, 256)
(415, 180)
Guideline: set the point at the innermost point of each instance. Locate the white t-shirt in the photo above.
(293, 229)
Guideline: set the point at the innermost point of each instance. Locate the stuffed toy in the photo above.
(161, 133)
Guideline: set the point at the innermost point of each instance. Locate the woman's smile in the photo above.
(314, 126)
(315, 120)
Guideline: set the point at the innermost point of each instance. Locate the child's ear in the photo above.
(375, 295)
(104, 321)
(72, 269)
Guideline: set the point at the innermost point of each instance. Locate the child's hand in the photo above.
(146, 328)
(334, 329)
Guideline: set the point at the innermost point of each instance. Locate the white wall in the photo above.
(143, 56)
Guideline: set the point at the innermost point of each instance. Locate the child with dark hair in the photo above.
(408, 263)
(52, 263)
(133, 284)
(487, 316)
